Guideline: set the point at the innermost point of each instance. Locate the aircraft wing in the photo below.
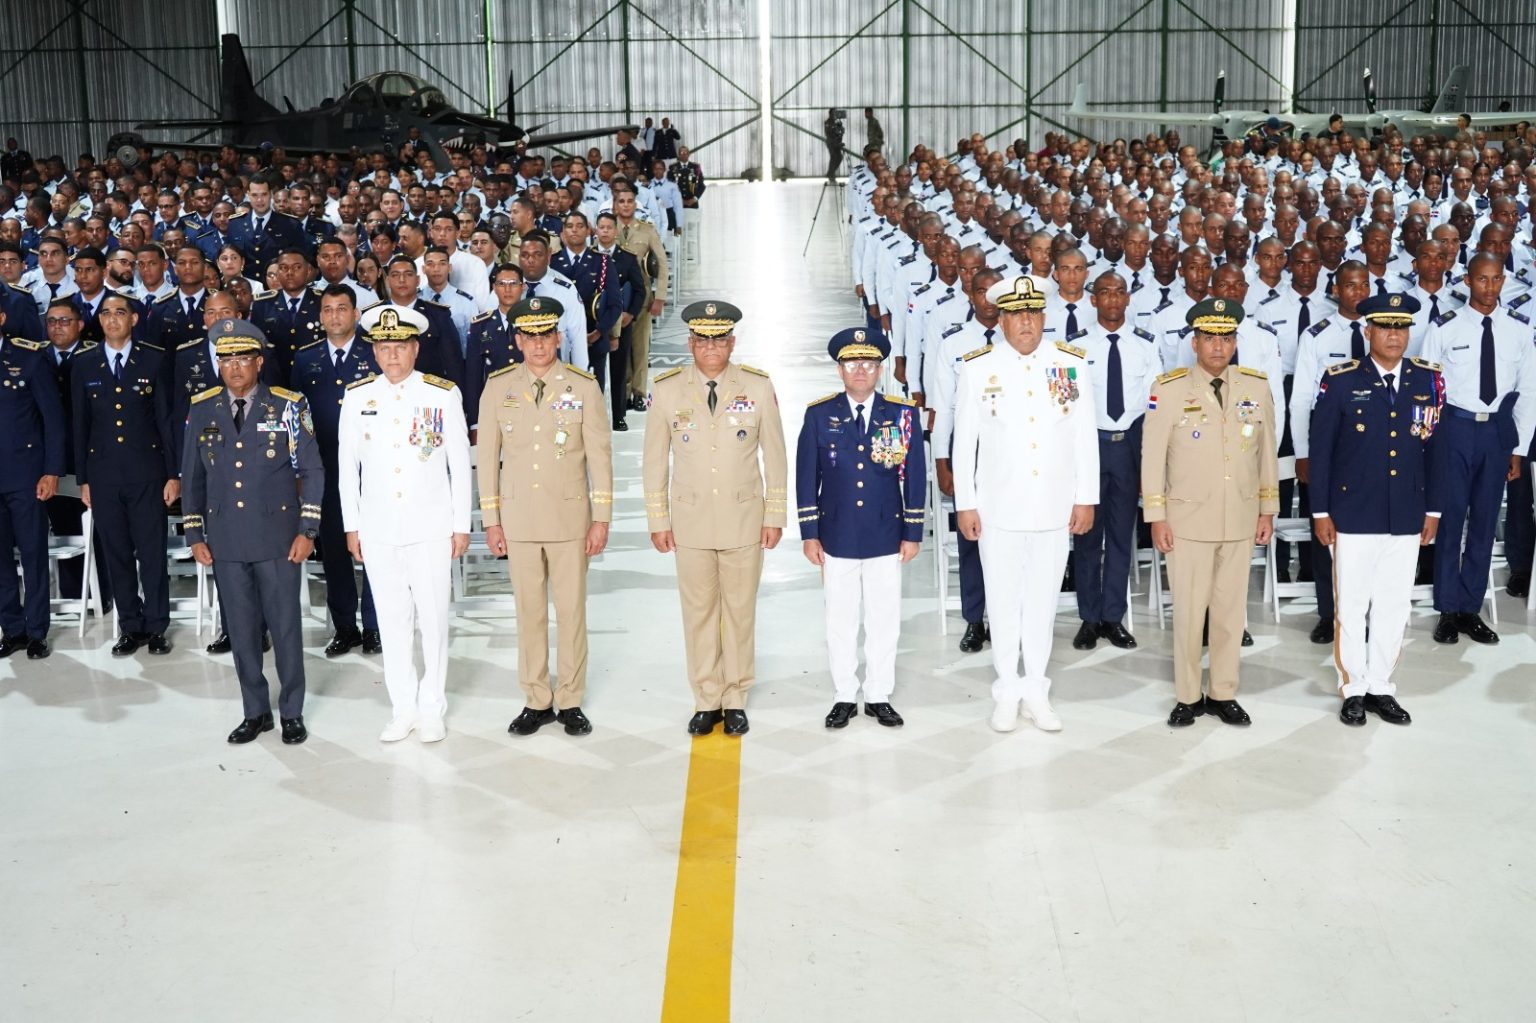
(1079, 109)
(557, 137)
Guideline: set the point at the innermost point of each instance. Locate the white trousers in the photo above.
(411, 587)
(1373, 582)
(692, 220)
(1023, 572)
(874, 583)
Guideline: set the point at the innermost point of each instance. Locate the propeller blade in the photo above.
(1221, 89)
(511, 97)
(1370, 92)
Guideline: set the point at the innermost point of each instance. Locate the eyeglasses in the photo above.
(861, 365)
(237, 360)
(509, 284)
(709, 342)
(61, 321)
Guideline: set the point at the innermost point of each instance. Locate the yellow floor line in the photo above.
(704, 906)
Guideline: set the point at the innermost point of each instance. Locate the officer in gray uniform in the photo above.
(246, 444)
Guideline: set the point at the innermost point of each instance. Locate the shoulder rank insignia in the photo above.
(428, 301)
(266, 296)
(580, 372)
(195, 342)
(287, 395)
(1080, 333)
(153, 348)
(1342, 367)
(1518, 317)
(896, 399)
(502, 370)
(18, 287)
(481, 318)
(1267, 326)
(922, 289)
(1145, 335)
(908, 260)
(165, 298)
(1425, 364)
(31, 346)
(825, 398)
(1318, 327)
(968, 356)
(1173, 374)
(659, 377)
(202, 395)
(1445, 317)
(366, 380)
(953, 329)
(312, 344)
(446, 385)
(754, 370)
(371, 305)
(1249, 371)
(1269, 298)
(1072, 349)
(1516, 303)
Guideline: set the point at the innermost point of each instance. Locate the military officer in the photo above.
(861, 518)
(66, 511)
(1374, 499)
(290, 316)
(262, 233)
(544, 446)
(404, 470)
(125, 450)
(439, 351)
(33, 443)
(715, 477)
(177, 318)
(253, 480)
(492, 343)
(1026, 464)
(323, 371)
(1210, 491)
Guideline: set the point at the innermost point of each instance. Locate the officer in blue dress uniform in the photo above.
(261, 233)
(441, 354)
(290, 316)
(860, 475)
(492, 343)
(17, 304)
(252, 503)
(65, 511)
(1375, 500)
(31, 462)
(125, 465)
(323, 372)
(600, 286)
(177, 318)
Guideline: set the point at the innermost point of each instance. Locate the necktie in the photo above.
(858, 418)
(191, 306)
(1391, 388)
(1273, 293)
(261, 226)
(1114, 398)
(1356, 341)
(533, 288)
(538, 393)
(1329, 288)
(293, 307)
(117, 369)
(1381, 286)
(1071, 319)
(1164, 300)
(340, 355)
(53, 289)
(1462, 258)
(1303, 318)
(1216, 386)
(713, 398)
(63, 360)
(239, 414)
(1434, 307)
(1135, 280)
(988, 335)
(1488, 387)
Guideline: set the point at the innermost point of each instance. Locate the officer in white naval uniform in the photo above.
(1026, 465)
(405, 482)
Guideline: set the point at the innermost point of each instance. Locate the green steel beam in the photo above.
(293, 51)
(906, 74)
(756, 116)
(85, 93)
(1162, 75)
(1359, 44)
(624, 54)
(1116, 30)
(578, 38)
(490, 60)
(857, 33)
(686, 48)
(1219, 34)
(967, 44)
(1498, 36)
(351, 43)
(1434, 51)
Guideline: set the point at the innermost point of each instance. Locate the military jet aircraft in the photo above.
(372, 114)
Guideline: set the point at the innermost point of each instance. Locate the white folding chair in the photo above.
(1290, 531)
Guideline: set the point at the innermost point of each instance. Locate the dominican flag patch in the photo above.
(1152, 403)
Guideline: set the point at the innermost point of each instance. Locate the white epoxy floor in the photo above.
(1118, 871)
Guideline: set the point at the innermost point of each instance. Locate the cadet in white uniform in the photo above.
(405, 482)
(1026, 465)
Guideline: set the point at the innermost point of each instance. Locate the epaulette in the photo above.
(86, 346)
(290, 216)
(373, 305)
(907, 260)
(358, 383)
(1267, 326)
(954, 329)
(482, 317)
(922, 289)
(165, 298)
(312, 344)
(1424, 363)
(1318, 327)
(18, 287)
(968, 356)
(659, 377)
(1458, 296)
(580, 372)
(1445, 317)
(31, 346)
(1518, 317)
(1336, 368)
(1251, 372)
(1173, 374)
(201, 395)
(1080, 332)
(264, 296)
(754, 370)
(1268, 298)
(896, 399)
(505, 369)
(243, 213)
(1072, 349)
(153, 348)
(195, 342)
(825, 397)
(285, 394)
(428, 301)
(1516, 303)
(436, 381)
(1145, 335)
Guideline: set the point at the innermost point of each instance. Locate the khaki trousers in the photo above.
(640, 352)
(719, 596)
(1208, 577)
(537, 571)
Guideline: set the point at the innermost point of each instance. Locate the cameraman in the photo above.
(832, 133)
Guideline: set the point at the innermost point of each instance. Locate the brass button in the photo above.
(119, 422)
(118, 407)
(120, 440)
(1391, 454)
(713, 469)
(535, 466)
(859, 503)
(239, 504)
(535, 486)
(1392, 433)
(239, 443)
(861, 447)
(238, 484)
(859, 484)
(1031, 419)
(716, 491)
(239, 465)
(535, 447)
(1394, 472)
(1392, 414)
(397, 470)
(536, 429)
(1034, 472)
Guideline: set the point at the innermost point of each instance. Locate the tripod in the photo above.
(828, 183)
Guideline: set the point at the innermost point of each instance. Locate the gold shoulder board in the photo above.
(206, 394)
(287, 395)
(446, 385)
(366, 380)
(499, 372)
(580, 372)
(825, 397)
(1173, 374)
(896, 399)
(968, 356)
(1343, 367)
(1081, 353)
(659, 377)
(1250, 371)
(753, 370)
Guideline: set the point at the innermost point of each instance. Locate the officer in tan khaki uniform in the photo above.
(715, 476)
(641, 240)
(546, 498)
(1210, 490)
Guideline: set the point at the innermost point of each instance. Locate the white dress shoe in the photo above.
(397, 729)
(433, 730)
(1040, 712)
(1005, 715)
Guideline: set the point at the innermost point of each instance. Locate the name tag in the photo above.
(370, 411)
(271, 428)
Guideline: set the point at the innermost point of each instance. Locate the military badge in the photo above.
(426, 431)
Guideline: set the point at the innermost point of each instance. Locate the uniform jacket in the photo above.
(62, 375)
(599, 284)
(32, 430)
(641, 240)
(861, 496)
(286, 331)
(262, 247)
(492, 346)
(1210, 470)
(316, 376)
(703, 477)
(238, 486)
(1370, 467)
(21, 316)
(546, 470)
(441, 355)
(123, 429)
(194, 371)
(169, 325)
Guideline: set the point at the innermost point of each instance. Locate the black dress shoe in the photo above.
(1229, 711)
(1283, 574)
(1519, 586)
(266, 641)
(250, 728)
(1322, 632)
(530, 720)
(343, 642)
(1184, 714)
(126, 644)
(885, 714)
(840, 714)
(219, 645)
(575, 721)
(1118, 635)
(1353, 711)
(10, 644)
(1473, 627)
(1247, 639)
(736, 722)
(975, 636)
(37, 649)
(637, 405)
(294, 731)
(704, 722)
(1388, 709)
(621, 427)
(158, 645)
(372, 642)
(1445, 629)
(1087, 637)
